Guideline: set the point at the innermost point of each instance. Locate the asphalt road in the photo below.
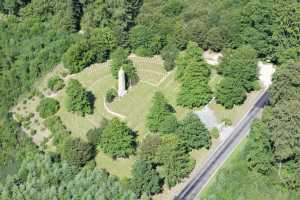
(216, 160)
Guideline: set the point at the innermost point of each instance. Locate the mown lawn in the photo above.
(235, 182)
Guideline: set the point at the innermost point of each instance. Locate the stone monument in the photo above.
(122, 84)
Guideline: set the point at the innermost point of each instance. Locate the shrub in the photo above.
(48, 107)
(31, 115)
(256, 85)
(57, 128)
(215, 133)
(227, 121)
(111, 95)
(64, 74)
(93, 136)
(55, 83)
(33, 132)
(95, 48)
(19, 118)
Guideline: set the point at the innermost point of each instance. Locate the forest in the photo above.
(36, 35)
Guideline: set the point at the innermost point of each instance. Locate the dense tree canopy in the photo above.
(286, 83)
(41, 178)
(259, 148)
(239, 67)
(278, 132)
(94, 47)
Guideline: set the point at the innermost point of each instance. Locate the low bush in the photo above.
(48, 107)
(57, 128)
(215, 133)
(33, 132)
(111, 94)
(55, 83)
(227, 121)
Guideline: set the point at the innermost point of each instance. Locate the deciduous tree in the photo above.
(117, 139)
(230, 92)
(158, 112)
(78, 99)
(77, 152)
(48, 107)
(145, 178)
(176, 162)
(193, 133)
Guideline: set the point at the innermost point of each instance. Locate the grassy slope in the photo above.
(235, 182)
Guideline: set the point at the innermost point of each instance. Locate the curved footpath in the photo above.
(217, 159)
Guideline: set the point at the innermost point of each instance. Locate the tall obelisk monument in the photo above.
(122, 84)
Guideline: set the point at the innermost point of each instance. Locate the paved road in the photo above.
(220, 155)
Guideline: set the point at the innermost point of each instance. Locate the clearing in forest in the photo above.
(133, 106)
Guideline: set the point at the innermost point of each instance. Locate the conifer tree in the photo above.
(71, 19)
(193, 73)
(174, 158)
(145, 178)
(158, 112)
(193, 133)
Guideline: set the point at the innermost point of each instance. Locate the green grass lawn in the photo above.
(235, 182)
(120, 167)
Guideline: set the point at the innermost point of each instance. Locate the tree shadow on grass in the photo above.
(91, 99)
